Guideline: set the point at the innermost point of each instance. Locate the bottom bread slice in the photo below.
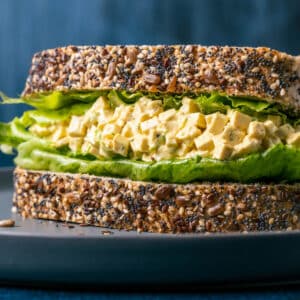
(156, 207)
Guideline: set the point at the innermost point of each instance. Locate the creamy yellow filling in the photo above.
(145, 131)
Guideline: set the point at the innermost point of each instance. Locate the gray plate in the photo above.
(47, 253)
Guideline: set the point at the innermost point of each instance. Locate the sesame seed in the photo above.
(282, 92)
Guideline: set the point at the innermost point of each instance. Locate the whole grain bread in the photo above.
(156, 207)
(241, 71)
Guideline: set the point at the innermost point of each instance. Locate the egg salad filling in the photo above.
(145, 131)
(155, 137)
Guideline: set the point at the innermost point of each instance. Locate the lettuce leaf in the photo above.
(13, 133)
(116, 97)
(208, 103)
(51, 116)
(212, 103)
(279, 163)
(6, 136)
(54, 100)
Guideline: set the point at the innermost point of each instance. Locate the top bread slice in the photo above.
(261, 73)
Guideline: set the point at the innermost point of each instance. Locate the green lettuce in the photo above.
(54, 100)
(279, 163)
(14, 133)
(117, 98)
(51, 116)
(208, 102)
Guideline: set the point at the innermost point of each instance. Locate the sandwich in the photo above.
(165, 139)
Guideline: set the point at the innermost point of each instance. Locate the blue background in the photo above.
(30, 26)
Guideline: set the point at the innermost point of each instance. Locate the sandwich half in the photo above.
(179, 138)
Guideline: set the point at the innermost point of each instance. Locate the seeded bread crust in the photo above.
(156, 207)
(241, 71)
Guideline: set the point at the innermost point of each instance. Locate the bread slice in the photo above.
(156, 207)
(240, 71)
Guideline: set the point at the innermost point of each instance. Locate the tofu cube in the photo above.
(100, 104)
(164, 152)
(217, 123)
(92, 136)
(104, 117)
(141, 117)
(167, 115)
(270, 127)
(239, 120)
(85, 148)
(171, 127)
(41, 131)
(149, 124)
(88, 148)
(120, 145)
(204, 142)
(284, 131)
(232, 136)
(148, 106)
(63, 142)
(208, 119)
(200, 153)
(196, 119)
(270, 141)
(275, 119)
(59, 133)
(122, 112)
(171, 140)
(120, 123)
(188, 132)
(181, 121)
(256, 130)
(154, 139)
(222, 151)
(76, 127)
(143, 102)
(203, 153)
(103, 152)
(294, 139)
(110, 130)
(139, 143)
(129, 130)
(148, 157)
(107, 143)
(183, 149)
(249, 145)
(90, 117)
(75, 144)
(188, 106)
(154, 108)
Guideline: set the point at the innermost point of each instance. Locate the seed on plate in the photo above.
(107, 232)
(7, 223)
